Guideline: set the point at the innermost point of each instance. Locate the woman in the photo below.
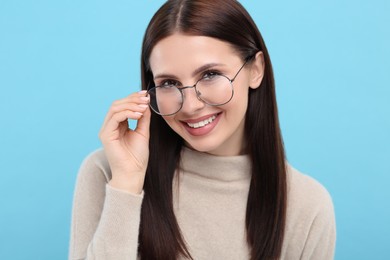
(203, 175)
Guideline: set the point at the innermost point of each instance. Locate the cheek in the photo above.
(240, 99)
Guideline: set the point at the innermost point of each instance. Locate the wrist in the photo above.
(132, 185)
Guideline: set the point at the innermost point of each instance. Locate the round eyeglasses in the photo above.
(213, 88)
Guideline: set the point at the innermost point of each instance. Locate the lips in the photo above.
(202, 125)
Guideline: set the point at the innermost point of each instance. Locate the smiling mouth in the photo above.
(202, 123)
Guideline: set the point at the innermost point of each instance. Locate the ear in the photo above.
(257, 71)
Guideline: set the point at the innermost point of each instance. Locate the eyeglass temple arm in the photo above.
(243, 65)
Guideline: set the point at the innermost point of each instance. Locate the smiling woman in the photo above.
(203, 175)
(211, 116)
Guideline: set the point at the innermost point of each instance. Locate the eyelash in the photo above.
(205, 74)
(169, 82)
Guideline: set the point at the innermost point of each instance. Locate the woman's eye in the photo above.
(210, 75)
(169, 83)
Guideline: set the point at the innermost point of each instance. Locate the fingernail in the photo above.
(143, 106)
(144, 98)
(138, 113)
(142, 92)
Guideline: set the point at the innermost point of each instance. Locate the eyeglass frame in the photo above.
(197, 93)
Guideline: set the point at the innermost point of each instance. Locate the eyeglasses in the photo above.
(213, 88)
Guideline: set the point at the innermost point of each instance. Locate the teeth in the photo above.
(202, 123)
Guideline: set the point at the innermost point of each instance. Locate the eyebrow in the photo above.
(196, 72)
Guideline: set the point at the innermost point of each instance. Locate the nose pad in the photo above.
(198, 94)
(192, 100)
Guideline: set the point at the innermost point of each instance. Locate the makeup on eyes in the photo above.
(199, 73)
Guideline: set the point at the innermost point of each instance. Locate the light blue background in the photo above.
(62, 63)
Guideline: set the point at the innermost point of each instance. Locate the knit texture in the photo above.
(210, 206)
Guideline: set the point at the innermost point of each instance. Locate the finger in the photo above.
(134, 97)
(138, 98)
(126, 106)
(115, 121)
(143, 124)
(122, 107)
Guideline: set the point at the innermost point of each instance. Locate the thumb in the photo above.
(143, 124)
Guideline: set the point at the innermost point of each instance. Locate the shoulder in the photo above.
(307, 198)
(304, 189)
(310, 225)
(95, 166)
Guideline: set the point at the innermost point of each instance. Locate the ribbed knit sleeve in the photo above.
(105, 221)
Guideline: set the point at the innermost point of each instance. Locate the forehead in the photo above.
(187, 52)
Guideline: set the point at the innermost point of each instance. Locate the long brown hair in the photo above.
(160, 236)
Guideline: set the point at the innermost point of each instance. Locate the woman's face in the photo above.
(184, 59)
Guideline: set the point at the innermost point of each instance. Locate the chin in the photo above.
(217, 149)
(203, 147)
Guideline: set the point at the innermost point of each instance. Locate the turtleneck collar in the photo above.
(222, 168)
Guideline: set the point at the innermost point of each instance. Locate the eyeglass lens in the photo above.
(168, 99)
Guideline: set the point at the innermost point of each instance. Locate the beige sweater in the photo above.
(210, 208)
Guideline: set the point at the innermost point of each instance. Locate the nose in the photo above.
(191, 101)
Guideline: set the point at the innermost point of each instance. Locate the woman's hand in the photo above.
(127, 150)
